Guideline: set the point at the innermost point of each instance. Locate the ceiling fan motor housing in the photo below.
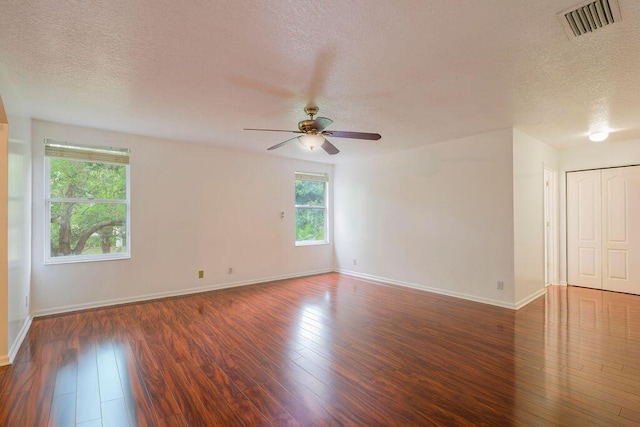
(307, 126)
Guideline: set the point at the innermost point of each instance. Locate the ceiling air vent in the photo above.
(589, 17)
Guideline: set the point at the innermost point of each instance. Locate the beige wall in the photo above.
(453, 218)
(193, 207)
(17, 206)
(4, 274)
(19, 218)
(438, 218)
(530, 157)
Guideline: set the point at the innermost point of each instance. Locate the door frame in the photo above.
(565, 221)
(550, 218)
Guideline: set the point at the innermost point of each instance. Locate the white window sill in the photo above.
(76, 259)
(312, 243)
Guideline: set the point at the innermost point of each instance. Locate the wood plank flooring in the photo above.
(331, 350)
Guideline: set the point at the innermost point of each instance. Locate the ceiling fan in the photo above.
(314, 133)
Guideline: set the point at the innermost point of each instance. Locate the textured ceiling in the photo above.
(417, 72)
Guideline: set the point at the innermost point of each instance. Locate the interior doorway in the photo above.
(550, 229)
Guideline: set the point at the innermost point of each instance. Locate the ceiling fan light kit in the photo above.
(313, 133)
(311, 141)
(598, 136)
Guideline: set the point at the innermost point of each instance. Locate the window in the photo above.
(87, 197)
(311, 208)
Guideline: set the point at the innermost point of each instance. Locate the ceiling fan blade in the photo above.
(322, 123)
(355, 135)
(282, 143)
(329, 147)
(274, 130)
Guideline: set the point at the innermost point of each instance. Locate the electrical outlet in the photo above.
(230, 270)
(355, 262)
(500, 285)
(200, 274)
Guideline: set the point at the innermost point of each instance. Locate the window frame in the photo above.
(48, 200)
(313, 177)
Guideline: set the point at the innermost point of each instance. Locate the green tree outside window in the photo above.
(310, 211)
(88, 208)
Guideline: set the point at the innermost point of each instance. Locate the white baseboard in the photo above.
(530, 298)
(439, 291)
(13, 350)
(4, 361)
(147, 297)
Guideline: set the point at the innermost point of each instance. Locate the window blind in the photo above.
(322, 177)
(65, 150)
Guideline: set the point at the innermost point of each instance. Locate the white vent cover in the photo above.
(589, 16)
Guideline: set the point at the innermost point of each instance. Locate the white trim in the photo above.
(4, 361)
(300, 177)
(13, 350)
(551, 240)
(147, 297)
(530, 298)
(563, 283)
(48, 200)
(73, 259)
(311, 242)
(384, 280)
(454, 294)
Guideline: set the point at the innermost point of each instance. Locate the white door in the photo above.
(621, 229)
(584, 226)
(603, 229)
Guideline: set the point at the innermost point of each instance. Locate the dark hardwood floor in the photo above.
(331, 350)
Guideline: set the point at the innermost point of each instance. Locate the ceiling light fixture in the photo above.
(311, 140)
(598, 136)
